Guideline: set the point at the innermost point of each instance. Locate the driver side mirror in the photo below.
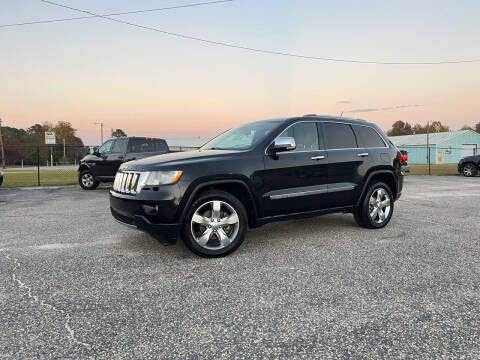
(284, 144)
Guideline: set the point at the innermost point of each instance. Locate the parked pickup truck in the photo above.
(101, 165)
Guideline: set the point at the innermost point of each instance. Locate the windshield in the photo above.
(242, 137)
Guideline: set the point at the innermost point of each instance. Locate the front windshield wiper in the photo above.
(216, 148)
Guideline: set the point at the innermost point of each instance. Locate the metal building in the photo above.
(445, 147)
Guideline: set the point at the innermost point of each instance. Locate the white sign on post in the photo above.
(50, 137)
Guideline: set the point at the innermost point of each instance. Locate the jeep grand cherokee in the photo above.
(258, 173)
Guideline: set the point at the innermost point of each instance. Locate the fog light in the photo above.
(150, 210)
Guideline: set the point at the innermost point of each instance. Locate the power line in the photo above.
(241, 47)
(115, 14)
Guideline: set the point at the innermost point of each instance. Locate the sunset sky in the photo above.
(152, 84)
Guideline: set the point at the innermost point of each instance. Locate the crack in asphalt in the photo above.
(42, 303)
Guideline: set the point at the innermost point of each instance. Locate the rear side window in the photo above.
(140, 145)
(367, 137)
(160, 145)
(339, 136)
(305, 135)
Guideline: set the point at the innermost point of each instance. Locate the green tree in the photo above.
(437, 127)
(434, 127)
(36, 129)
(466, 127)
(400, 128)
(65, 133)
(119, 133)
(418, 129)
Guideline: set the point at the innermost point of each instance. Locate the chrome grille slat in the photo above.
(124, 179)
(135, 177)
(126, 182)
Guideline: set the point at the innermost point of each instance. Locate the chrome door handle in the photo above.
(318, 157)
(362, 155)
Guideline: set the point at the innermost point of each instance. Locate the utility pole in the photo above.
(101, 130)
(428, 148)
(1, 146)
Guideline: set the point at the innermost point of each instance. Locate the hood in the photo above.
(89, 157)
(176, 159)
(470, 157)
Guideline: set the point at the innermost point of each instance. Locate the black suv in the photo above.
(259, 173)
(469, 166)
(102, 164)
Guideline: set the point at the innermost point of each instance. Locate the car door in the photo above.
(346, 164)
(116, 156)
(296, 180)
(374, 149)
(100, 165)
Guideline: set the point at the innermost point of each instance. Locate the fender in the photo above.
(83, 166)
(370, 176)
(202, 185)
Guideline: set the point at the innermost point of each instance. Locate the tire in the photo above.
(215, 224)
(87, 181)
(383, 204)
(469, 170)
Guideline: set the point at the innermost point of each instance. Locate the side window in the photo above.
(159, 145)
(339, 136)
(120, 146)
(305, 135)
(367, 137)
(138, 145)
(106, 147)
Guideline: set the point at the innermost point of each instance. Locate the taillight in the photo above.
(404, 159)
(399, 156)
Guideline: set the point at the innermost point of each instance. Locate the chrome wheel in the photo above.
(87, 180)
(468, 170)
(379, 206)
(215, 225)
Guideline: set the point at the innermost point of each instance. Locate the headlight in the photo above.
(156, 178)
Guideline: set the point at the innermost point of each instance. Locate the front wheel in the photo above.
(469, 170)
(215, 225)
(87, 180)
(376, 208)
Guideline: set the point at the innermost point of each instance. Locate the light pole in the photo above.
(428, 148)
(1, 146)
(101, 130)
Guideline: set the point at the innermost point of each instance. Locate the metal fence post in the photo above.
(38, 165)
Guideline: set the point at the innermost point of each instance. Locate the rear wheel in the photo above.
(87, 180)
(376, 208)
(469, 170)
(215, 225)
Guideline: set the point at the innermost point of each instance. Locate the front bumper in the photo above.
(144, 216)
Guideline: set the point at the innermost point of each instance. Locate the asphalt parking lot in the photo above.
(75, 284)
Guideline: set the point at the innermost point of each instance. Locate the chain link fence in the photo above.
(47, 165)
(436, 160)
(41, 165)
(36, 165)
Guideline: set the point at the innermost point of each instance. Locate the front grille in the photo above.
(126, 182)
